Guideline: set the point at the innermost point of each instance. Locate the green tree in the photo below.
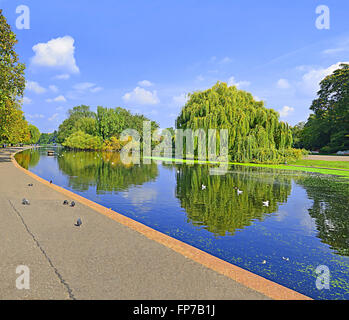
(48, 138)
(255, 133)
(69, 125)
(34, 134)
(12, 80)
(13, 127)
(328, 127)
(297, 134)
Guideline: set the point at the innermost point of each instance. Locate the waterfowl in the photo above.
(25, 202)
(239, 191)
(264, 261)
(203, 187)
(266, 203)
(286, 259)
(78, 223)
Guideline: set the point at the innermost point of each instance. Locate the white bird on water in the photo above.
(239, 191)
(203, 187)
(266, 203)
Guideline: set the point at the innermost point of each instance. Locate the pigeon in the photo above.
(30, 185)
(72, 204)
(65, 202)
(266, 203)
(25, 202)
(203, 187)
(239, 191)
(50, 181)
(78, 223)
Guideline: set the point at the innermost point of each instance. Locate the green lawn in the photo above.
(322, 164)
(303, 165)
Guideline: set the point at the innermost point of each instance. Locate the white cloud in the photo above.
(53, 88)
(181, 99)
(283, 84)
(56, 53)
(96, 89)
(285, 111)
(239, 84)
(334, 51)
(83, 86)
(226, 60)
(340, 47)
(53, 117)
(60, 108)
(35, 116)
(26, 100)
(87, 86)
(200, 78)
(57, 99)
(141, 96)
(64, 76)
(145, 83)
(311, 80)
(35, 87)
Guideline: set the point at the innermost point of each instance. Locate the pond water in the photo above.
(306, 224)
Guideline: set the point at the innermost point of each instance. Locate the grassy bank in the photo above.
(322, 170)
(322, 164)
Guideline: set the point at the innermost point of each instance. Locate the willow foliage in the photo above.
(255, 132)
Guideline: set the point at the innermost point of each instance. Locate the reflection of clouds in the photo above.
(140, 197)
(281, 215)
(307, 221)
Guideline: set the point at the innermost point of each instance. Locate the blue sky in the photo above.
(147, 55)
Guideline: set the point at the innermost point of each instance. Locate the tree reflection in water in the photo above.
(103, 170)
(330, 209)
(219, 208)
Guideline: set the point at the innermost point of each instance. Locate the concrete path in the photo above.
(327, 158)
(102, 259)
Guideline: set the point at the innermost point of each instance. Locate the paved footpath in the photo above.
(102, 259)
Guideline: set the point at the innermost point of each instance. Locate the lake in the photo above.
(306, 224)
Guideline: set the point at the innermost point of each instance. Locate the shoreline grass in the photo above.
(290, 167)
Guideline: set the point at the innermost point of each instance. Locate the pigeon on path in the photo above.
(78, 223)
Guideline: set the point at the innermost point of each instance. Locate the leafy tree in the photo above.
(297, 134)
(81, 140)
(13, 127)
(255, 133)
(70, 125)
(12, 80)
(328, 127)
(34, 134)
(48, 138)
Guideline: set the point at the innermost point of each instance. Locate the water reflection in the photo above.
(219, 207)
(330, 210)
(103, 170)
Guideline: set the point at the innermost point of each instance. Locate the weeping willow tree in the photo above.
(255, 132)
